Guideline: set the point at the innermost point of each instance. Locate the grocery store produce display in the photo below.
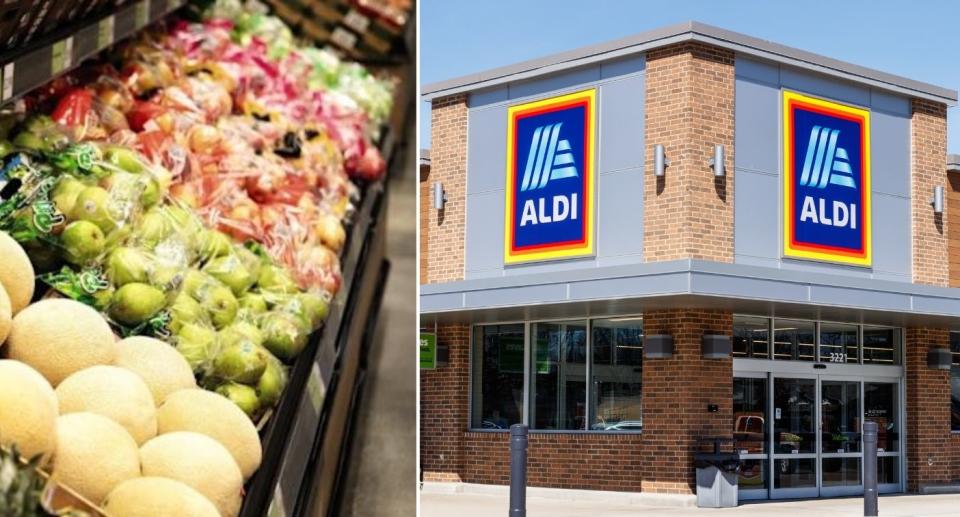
(180, 207)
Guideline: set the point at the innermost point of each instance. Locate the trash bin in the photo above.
(717, 474)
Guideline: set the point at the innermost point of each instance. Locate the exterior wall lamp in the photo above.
(937, 200)
(658, 346)
(939, 358)
(716, 346)
(660, 161)
(439, 196)
(717, 161)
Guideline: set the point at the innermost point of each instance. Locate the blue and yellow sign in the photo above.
(550, 179)
(826, 186)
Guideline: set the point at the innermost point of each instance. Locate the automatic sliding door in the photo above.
(840, 439)
(751, 436)
(795, 448)
(880, 405)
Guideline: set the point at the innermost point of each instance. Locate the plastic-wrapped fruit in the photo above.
(135, 303)
(82, 241)
(197, 344)
(92, 205)
(231, 271)
(242, 362)
(240, 331)
(215, 244)
(126, 265)
(184, 310)
(245, 397)
(126, 159)
(253, 302)
(311, 307)
(221, 304)
(275, 279)
(65, 193)
(271, 383)
(283, 335)
(153, 228)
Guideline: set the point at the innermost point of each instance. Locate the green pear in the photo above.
(240, 331)
(82, 241)
(283, 335)
(311, 307)
(103, 297)
(153, 228)
(152, 193)
(275, 279)
(254, 303)
(64, 195)
(196, 281)
(231, 272)
(250, 260)
(271, 383)
(165, 277)
(124, 158)
(29, 140)
(221, 304)
(242, 362)
(215, 244)
(126, 265)
(135, 303)
(184, 310)
(197, 344)
(91, 205)
(243, 396)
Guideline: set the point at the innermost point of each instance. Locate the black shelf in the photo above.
(36, 64)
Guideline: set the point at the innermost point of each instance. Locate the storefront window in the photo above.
(881, 345)
(839, 343)
(616, 374)
(751, 337)
(794, 340)
(955, 381)
(559, 397)
(498, 352)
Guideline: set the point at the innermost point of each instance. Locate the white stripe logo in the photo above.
(825, 163)
(550, 158)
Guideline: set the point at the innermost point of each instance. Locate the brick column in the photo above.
(929, 456)
(928, 156)
(448, 165)
(443, 408)
(676, 393)
(688, 213)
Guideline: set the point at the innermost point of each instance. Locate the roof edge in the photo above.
(679, 33)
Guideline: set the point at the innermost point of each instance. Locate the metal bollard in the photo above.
(518, 470)
(869, 469)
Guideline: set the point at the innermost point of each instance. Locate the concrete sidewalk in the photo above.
(434, 504)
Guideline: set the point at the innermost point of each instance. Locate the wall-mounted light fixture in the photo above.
(439, 196)
(658, 346)
(660, 161)
(717, 161)
(939, 358)
(937, 200)
(716, 346)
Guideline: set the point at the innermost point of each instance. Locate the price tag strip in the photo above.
(316, 388)
(8, 70)
(105, 32)
(61, 57)
(142, 14)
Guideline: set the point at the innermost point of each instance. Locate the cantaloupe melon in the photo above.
(16, 273)
(114, 392)
(157, 497)
(6, 315)
(157, 363)
(58, 337)
(200, 462)
(94, 454)
(211, 414)
(28, 410)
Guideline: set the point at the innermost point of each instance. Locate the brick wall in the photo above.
(424, 215)
(443, 408)
(928, 411)
(928, 156)
(688, 213)
(448, 165)
(676, 393)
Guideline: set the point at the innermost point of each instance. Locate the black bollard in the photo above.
(869, 469)
(518, 470)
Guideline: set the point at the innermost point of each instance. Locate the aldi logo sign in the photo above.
(550, 179)
(826, 188)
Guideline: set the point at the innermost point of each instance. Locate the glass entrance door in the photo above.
(800, 435)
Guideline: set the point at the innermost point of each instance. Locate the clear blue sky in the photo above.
(917, 39)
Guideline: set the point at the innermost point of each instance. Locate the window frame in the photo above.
(953, 431)
(528, 378)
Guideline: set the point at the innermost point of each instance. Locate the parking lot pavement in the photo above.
(483, 505)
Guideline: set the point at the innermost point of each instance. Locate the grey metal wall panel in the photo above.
(890, 150)
(825, 87)
(621, 125)
(891, 224)
(750, 288)
(859, 298)
(630, 287)
(484, 232)
(757, 219)
(619, 167)
(754, 102)
(574, 78)
(620, 216)
(487, 150)
(624, 66)
(516, 295)
(755, 234)
(434, 302)
(936, 305)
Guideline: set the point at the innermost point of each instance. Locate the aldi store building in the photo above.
(691, 233)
